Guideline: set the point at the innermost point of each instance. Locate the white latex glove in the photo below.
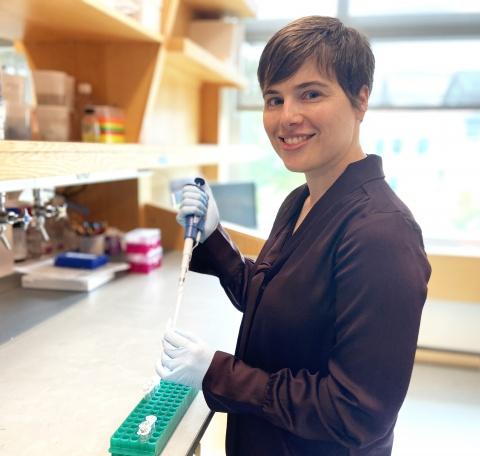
(199, 201)
(185, 358)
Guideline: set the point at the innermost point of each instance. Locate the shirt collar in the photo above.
(355, 175)
(358, 173)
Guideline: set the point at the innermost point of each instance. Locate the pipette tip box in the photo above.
(80, 260)
(168, 402)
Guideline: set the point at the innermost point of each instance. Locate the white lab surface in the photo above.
(73, 365)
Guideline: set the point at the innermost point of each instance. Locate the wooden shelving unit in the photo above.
(243, 9)
(23, 160)
(166, 85)
(184, 55)
(49, 20)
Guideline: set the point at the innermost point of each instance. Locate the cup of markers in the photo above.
(91, 237)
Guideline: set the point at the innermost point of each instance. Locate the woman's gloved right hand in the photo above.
(199, 201)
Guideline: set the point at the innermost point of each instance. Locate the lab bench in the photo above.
(73, 365)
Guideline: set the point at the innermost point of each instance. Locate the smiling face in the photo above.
(312, 124)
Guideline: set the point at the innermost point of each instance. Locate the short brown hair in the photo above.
(341, 52)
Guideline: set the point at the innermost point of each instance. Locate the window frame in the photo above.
(404, 27)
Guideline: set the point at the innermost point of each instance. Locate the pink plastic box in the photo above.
(144, 249)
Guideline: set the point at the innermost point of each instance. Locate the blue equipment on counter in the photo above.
(80, 260)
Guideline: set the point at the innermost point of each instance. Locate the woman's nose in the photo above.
(291, 114)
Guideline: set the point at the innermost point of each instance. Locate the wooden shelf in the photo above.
(172, 91)
(190, 58)
(80, 20)
(81, 162)
(239, 8)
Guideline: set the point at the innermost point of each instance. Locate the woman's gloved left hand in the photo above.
(185, 359)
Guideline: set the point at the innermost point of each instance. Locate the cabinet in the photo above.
(167, 86)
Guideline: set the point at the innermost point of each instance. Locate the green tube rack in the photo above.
(168, 401)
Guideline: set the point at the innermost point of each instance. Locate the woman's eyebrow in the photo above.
(270, 92)
(304, 85)
(300, 86)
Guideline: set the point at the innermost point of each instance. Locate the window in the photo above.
(426, 73)
(413, 7)
(431, 160)
(273, 9)
(424, 116)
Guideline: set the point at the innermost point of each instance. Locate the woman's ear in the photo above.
(362, 102)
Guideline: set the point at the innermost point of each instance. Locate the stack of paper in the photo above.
(45, 275)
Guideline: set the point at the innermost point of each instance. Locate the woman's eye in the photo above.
(275, 101)
(311, 94)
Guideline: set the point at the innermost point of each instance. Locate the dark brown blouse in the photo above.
(330, 322)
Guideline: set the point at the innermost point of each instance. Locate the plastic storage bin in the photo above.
(144, 249)
(54, 88)
(17, 121)
(13, 88)
(54, 122)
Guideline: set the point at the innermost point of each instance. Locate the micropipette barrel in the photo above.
(193, 229)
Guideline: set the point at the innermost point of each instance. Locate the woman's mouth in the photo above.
(293, 141)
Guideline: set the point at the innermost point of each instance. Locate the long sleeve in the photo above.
(380, 277)
(219, 256)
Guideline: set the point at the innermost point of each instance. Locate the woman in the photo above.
(332, 306)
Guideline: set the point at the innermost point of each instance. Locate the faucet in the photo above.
(9, 218)
(41, 212)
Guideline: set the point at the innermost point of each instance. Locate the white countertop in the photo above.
(451, 326)
(73, 365)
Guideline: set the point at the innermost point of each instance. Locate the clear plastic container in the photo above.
(17, 121)
(13, 87)
(54, 88)
(54, 122)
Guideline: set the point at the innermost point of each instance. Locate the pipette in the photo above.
(193, 231)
